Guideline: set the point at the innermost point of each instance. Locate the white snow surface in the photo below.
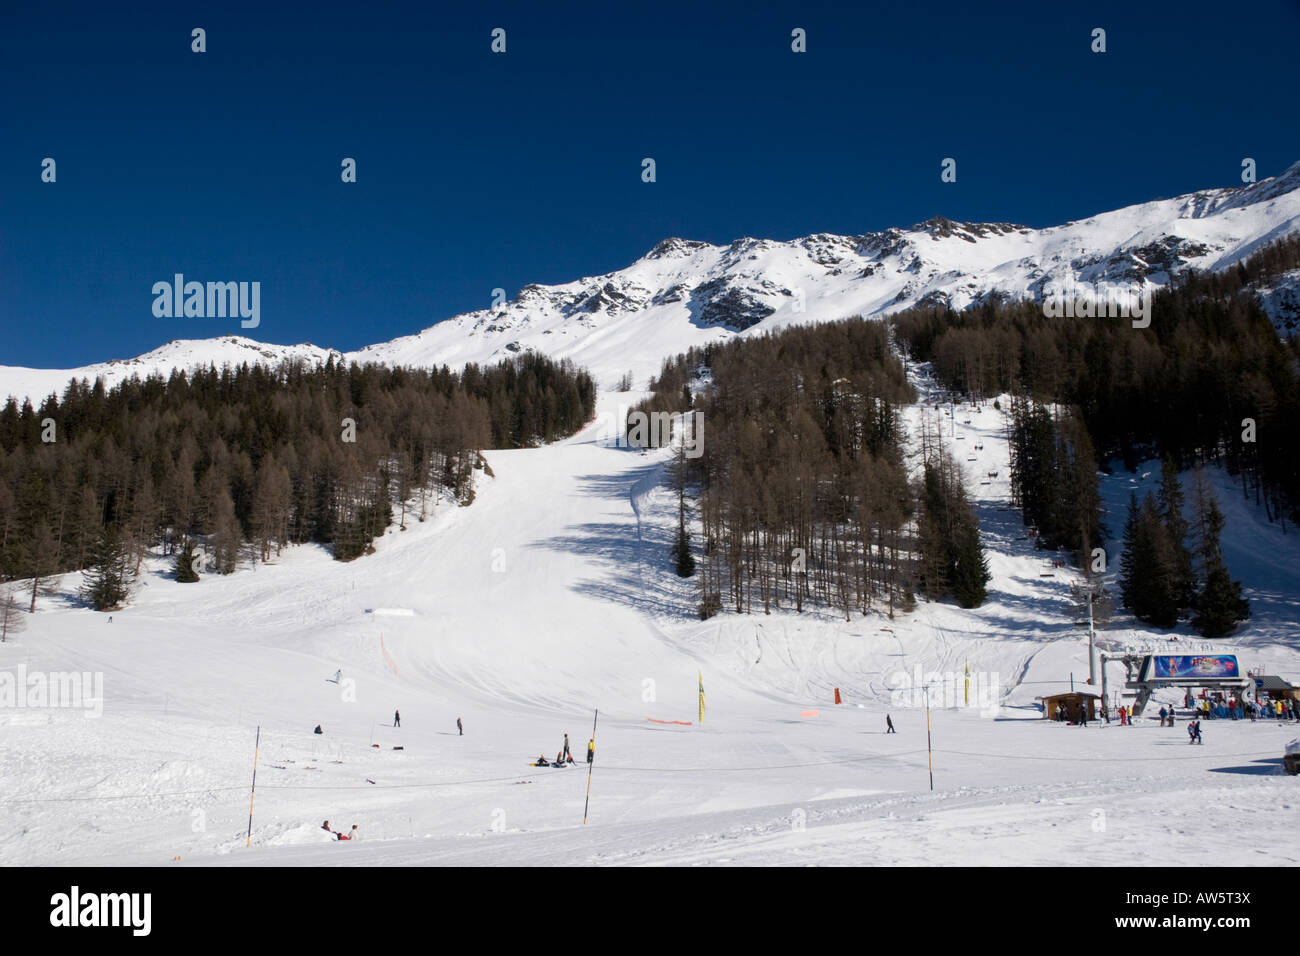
(550, 596)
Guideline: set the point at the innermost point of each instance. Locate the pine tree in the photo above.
(970, 567)
(42, 557)
(11, 614)
(1156, 599)
(931, 535)
(951, 557)
(107, 581)
(1220, 604)
(1130, 577)
(683, 561)
(1171, 513)
(185, 570)
(227, 536)
(1149, 572)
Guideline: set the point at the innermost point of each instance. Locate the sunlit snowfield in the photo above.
(551, 595)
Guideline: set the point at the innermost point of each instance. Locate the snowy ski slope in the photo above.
(550, 596)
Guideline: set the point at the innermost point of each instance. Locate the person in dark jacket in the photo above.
(397, 718)
(889, 725)
(460, 727)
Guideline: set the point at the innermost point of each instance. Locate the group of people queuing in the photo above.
(1209, 707)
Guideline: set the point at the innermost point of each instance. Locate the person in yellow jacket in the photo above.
(591, 750)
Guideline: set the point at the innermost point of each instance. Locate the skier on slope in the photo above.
(889, 725)
(338, 676)
(591, 750)
(397, 718)
(565, 752)
(460, 727)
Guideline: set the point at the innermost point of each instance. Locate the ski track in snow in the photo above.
(553, 594)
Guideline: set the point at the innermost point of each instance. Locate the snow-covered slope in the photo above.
(1280, 298)
(553, 595)
(684, 292)
(182, 354)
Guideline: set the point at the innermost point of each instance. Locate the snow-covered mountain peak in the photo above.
(686, 292)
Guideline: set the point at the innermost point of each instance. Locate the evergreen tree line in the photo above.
(1182, 387)
(244, 460)
(949, 557)
(1054, 476)
(1170, 569)
(803, 496)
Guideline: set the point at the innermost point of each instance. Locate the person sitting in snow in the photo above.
(542, 761)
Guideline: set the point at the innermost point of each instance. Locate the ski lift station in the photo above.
(1148, 673)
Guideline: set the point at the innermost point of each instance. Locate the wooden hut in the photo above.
(1070, 705)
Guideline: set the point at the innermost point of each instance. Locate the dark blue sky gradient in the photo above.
(478, 170)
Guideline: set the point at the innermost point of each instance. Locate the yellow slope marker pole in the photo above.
(253, 792)
(929, 749)
(590, 766)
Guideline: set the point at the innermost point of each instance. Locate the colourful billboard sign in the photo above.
(1191, 667)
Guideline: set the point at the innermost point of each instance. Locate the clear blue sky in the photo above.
(478, 170)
